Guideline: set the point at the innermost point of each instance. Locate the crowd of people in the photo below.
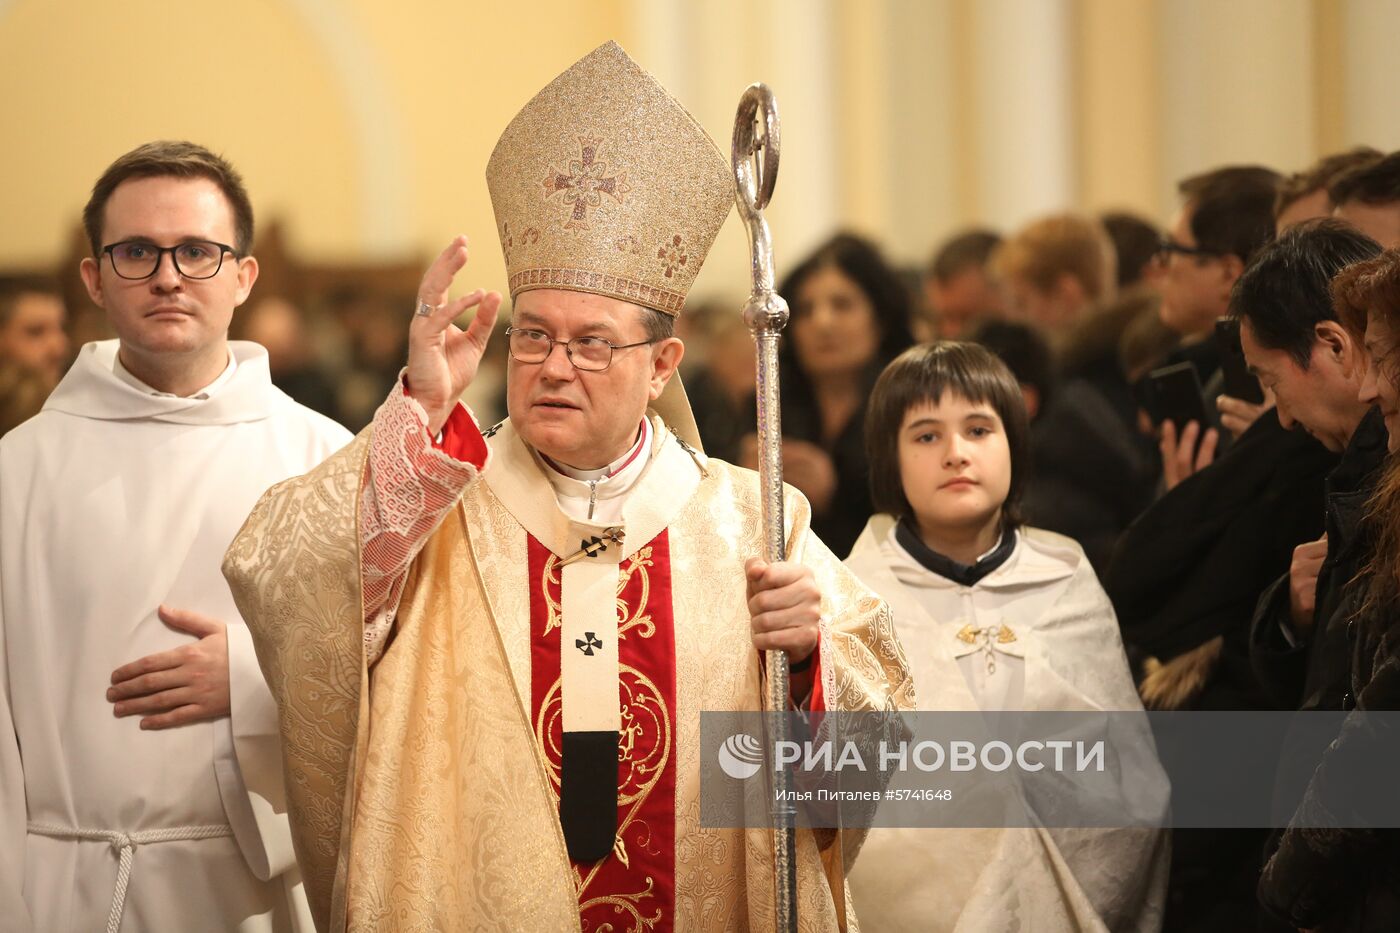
(1239, 539)
(1088, 464)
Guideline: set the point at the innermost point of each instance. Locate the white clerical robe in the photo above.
(114, 500)
(1037, 633)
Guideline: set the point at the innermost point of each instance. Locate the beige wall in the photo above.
(367, 125)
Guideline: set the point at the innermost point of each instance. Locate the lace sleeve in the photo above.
(410, 484)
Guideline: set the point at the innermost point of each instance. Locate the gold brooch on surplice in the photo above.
(988, 636)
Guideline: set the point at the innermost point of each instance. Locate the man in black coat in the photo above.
(1188, 575)
(1295, 344)
(1304, 629)
(1298, 642)
(1339, 654)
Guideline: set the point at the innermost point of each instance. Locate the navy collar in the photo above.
(944, 566)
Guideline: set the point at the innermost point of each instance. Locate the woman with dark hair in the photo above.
(850, 317)
(993, 616)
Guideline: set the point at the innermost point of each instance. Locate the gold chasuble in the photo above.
(425, 792)
(490, 710)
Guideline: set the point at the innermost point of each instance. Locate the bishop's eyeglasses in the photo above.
(590, 354)
(194, 259)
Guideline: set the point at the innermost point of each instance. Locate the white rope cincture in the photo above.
(124, 844)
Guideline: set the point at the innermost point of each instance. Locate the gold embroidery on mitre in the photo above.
(672, 256)
(510, 241)
(583, 183)
(608, 167)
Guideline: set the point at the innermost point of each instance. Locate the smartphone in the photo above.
(1239, 382)
(1173, 393)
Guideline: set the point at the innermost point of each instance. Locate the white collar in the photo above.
(597, 495)
(124, 374)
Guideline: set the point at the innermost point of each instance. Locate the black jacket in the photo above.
(1346, 879)
(850, 508)
(1313, 671)
(1189, 571)
(1090, 477)
(1194, 564)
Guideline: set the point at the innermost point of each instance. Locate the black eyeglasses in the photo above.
(1166, 246)
(194, 259)
(590, 354)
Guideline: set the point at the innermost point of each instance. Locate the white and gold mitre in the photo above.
(603, 183)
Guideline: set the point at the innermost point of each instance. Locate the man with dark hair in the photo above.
(1228, 215)
(31, 331)
(959, 289)
(33, 350)
(1136, 242)
(1314, 366)
(116, 503)
(1290, 334)
(172, 159)
(1304, 195)
(1368, 198)
(1301, 638)
(1188, 575)
(1328, 870)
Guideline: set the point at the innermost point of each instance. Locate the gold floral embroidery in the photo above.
(510, 241)
(639, 620)
(643, 713)
(549, 584)
(584, 181)
(673, 257)
(628, 904)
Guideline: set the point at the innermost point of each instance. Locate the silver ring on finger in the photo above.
(424, 309)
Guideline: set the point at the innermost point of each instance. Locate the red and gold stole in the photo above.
(632, 889)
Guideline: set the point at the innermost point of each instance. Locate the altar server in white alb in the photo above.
(140, 773)
(994, 616)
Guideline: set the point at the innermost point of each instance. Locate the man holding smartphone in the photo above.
(1226, 218)
(1188, 574)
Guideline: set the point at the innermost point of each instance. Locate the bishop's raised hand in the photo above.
(442, 357)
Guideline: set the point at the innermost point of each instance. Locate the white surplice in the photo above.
(114, 500)
(1061, 651)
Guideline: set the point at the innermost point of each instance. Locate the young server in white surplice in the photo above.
(114, 500)
(1016, 621)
